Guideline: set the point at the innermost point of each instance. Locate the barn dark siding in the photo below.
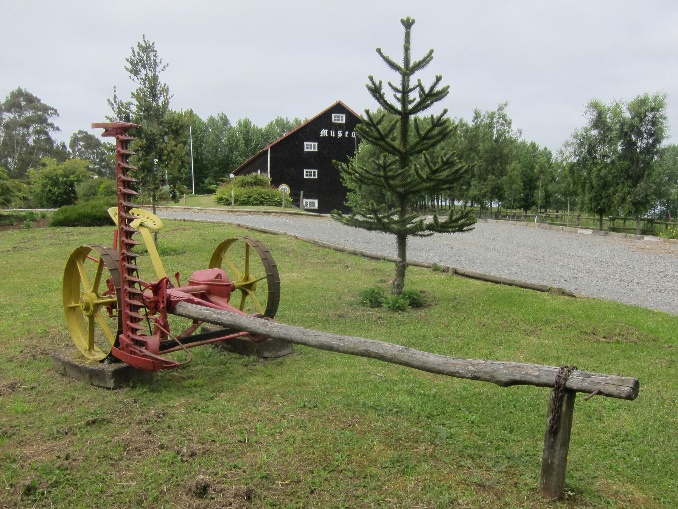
(310, 173)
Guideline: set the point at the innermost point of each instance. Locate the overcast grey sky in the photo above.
(262, 59)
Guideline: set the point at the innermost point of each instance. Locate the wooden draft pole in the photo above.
(565, 381)
(504, 374)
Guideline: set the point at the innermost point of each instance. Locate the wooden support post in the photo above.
(557, 444)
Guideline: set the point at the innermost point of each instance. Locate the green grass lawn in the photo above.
(197, 200)
(325, 430)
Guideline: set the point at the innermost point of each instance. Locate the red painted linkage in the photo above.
(133, 344)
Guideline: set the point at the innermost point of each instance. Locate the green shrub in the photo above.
(89, 213)
(27, 218)
(670, 233)
(249, 196)
(372, 297)
(252, 180)
(13, 192)
(10, 219)
(96, 189)
(52, 184)
(253, 190)
(396, 303)
(376, 297)
(414, 298)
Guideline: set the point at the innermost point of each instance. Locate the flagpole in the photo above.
(190, 134)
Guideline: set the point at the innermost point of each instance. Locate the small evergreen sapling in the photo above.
(405, 167)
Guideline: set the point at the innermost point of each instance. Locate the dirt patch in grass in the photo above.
(619, 334)
(10, 386)
(204, 492)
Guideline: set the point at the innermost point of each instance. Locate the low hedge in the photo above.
(249, 196)
(89, 213)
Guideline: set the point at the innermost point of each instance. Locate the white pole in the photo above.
(190, 134)
(268, 163)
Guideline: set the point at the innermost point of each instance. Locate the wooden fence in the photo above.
(621, 224)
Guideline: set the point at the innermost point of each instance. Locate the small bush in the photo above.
(670, 233)
(253, 190)
(27, 218)
(396, 303)
(376, 297)
(249, 196)
(372, 297)
(89, 213)
(414, 298)
(252, 180)
(11, 219)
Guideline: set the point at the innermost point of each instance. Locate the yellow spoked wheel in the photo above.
(91, 290)
(251, 267)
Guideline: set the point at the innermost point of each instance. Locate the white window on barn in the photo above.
(310, 204)
(310, 174)
(310, 146)
(338, 118)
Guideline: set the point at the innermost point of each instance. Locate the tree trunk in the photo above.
(401, 264)
(639, 230)
(600, 221)
(401, 245)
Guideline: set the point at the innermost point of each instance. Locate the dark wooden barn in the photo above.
(302, 159)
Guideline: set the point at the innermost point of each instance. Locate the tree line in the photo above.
(616, 164)
(36, 170)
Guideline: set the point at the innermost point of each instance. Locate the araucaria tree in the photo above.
(404, 167)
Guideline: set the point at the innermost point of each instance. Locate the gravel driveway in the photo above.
(635, 271)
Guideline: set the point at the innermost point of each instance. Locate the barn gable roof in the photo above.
(288, 133)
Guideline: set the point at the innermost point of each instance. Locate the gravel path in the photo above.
(635, 271)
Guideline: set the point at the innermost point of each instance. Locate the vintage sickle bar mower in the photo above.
(112, 312)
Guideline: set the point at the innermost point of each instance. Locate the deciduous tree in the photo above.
(613, 158)
(491, 149)
(593, 154)
(86, 146)
(26, 129)
(216, 156)
(643, 129)
(148, 108)
(176, 154)
(53, 184)
(667, 181)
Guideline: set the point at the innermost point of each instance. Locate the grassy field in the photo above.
(323, 430)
